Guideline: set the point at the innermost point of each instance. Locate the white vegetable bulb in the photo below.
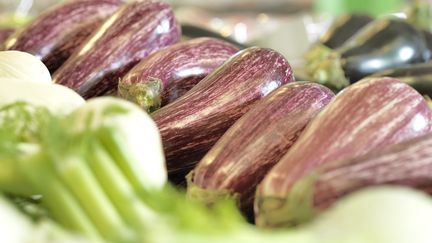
(56, 98)
(377, 215)
(14, 227)
(23, 66)
(138, 136)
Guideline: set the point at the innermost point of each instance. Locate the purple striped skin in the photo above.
(5, 33)
(368, 115)
(41, 35)
(135, 31)
(256, 142)
(192, 124)
(406, 164)
(176, 69)
(69, 43)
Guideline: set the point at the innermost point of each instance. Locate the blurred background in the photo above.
(289, 26)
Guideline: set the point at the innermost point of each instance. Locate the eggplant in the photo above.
(255, 143)
(65, 47)
(5, 33)
(169, 73)
(404, 164)
(371, 114)
(380, 45)
(192, 124)
(192, 31)
(43, 34)
(343, 28)
(135, 31)
(418, 76)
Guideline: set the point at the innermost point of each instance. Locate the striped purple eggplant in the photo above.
(371, 114)
(171, 72)
(5, 33)
(255, 143)
(43, 34)
(135, 31)
(192, 124)
(69, 43)
(407, 164)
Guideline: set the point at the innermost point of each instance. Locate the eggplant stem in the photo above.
(146, 94)
(420, 14)
(324, 66)
(293, 209)
(204, 195)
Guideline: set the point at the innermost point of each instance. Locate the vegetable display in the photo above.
(192, 124)
(208, 140)
(169, 73)
(135, 31)
(255, 143)
(371, 114)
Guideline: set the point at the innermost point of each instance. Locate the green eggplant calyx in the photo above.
(147, 94)
(324, 66)
(287, 211)
(206, 196)
(420, 15)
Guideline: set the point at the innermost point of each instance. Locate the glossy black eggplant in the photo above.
(418, 76)
(192, 32)
(380, 45)
(343, 28)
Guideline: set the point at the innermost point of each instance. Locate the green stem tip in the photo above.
(146, 94)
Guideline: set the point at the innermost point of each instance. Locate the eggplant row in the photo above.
(369, 115)
(192, 124)
(255, 143)
(135, 31)
(169, 73)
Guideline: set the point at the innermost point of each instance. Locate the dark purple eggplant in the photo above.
(418, 76)
(5, 33)
(169, 73)
(192, 124)
(255, 143)
(192, 31)
(343, 28)
(135, 31)
(380, 45)
(371, 114)
(44, 33)
(405, 164)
